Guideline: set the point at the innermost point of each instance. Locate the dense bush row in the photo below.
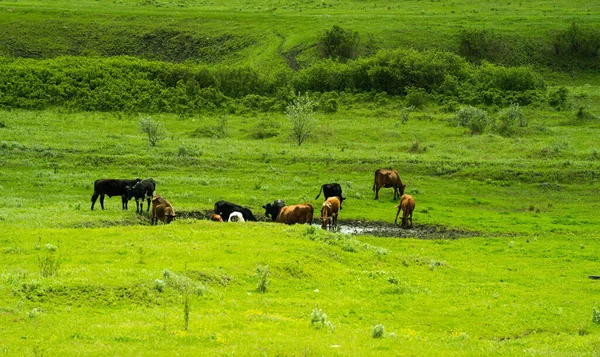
(131, 84)
(576, 47)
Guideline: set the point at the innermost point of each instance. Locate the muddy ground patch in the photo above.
(373, 228)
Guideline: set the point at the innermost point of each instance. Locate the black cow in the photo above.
(273, 209)
(224, 209)
(139, 191)
(112, 187)
(332, 190)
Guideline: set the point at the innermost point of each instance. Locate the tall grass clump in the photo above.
(262, 272)
(49, 264)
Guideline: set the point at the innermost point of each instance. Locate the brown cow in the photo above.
(216, 218)
(162, 209)
(388, 178)
(329, 213)
(407, 204)
(302, 213)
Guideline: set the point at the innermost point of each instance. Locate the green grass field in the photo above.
(515, 217)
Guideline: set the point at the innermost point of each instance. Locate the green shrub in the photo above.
(416, 97)
(577, 41)
(318, 320)
(472, 118)
(338, 44)
(559, 99)
(266, 129)
(509, 118)
(378, 331)
(477, 45)
(596, 316)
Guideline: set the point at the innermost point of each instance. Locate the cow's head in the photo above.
(268, 207)
(129, 192)
(402, 187)
(169, 214)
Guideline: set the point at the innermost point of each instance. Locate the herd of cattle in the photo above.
(278, 211)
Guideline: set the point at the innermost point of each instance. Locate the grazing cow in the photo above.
(329, 213)
(388, 178)
(332, 190)
(224, 209)
(236, 217)
(162, 210)
(272, 209)
(216, 218)
(112, 187)
(302, 213)
(407, 205)
(142, 190)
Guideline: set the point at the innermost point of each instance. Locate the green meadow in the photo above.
(505, 231)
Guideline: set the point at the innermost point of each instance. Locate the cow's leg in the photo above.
(123, 202)
(102, 200)
(148, 202)
(137, 206)
(94, 198)
(397, 213)
(377, 188)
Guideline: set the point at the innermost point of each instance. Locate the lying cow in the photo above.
(224, 209)
(144, 189)
(332, 190)
(302, 213)
(388, 178)
(272, 209)
(162, 210)
(216, 218)
(407, 205)
(329, 213)
(110, 188)
(236, 217)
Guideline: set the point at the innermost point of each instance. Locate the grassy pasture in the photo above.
(519, 287)
(80, 282)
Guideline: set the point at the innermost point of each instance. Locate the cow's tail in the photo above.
(321, 190)
(375, 179)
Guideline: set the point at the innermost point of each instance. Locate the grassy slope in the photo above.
(72, 27)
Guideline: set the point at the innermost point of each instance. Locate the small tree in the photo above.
(300, 113)
(154, 129)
